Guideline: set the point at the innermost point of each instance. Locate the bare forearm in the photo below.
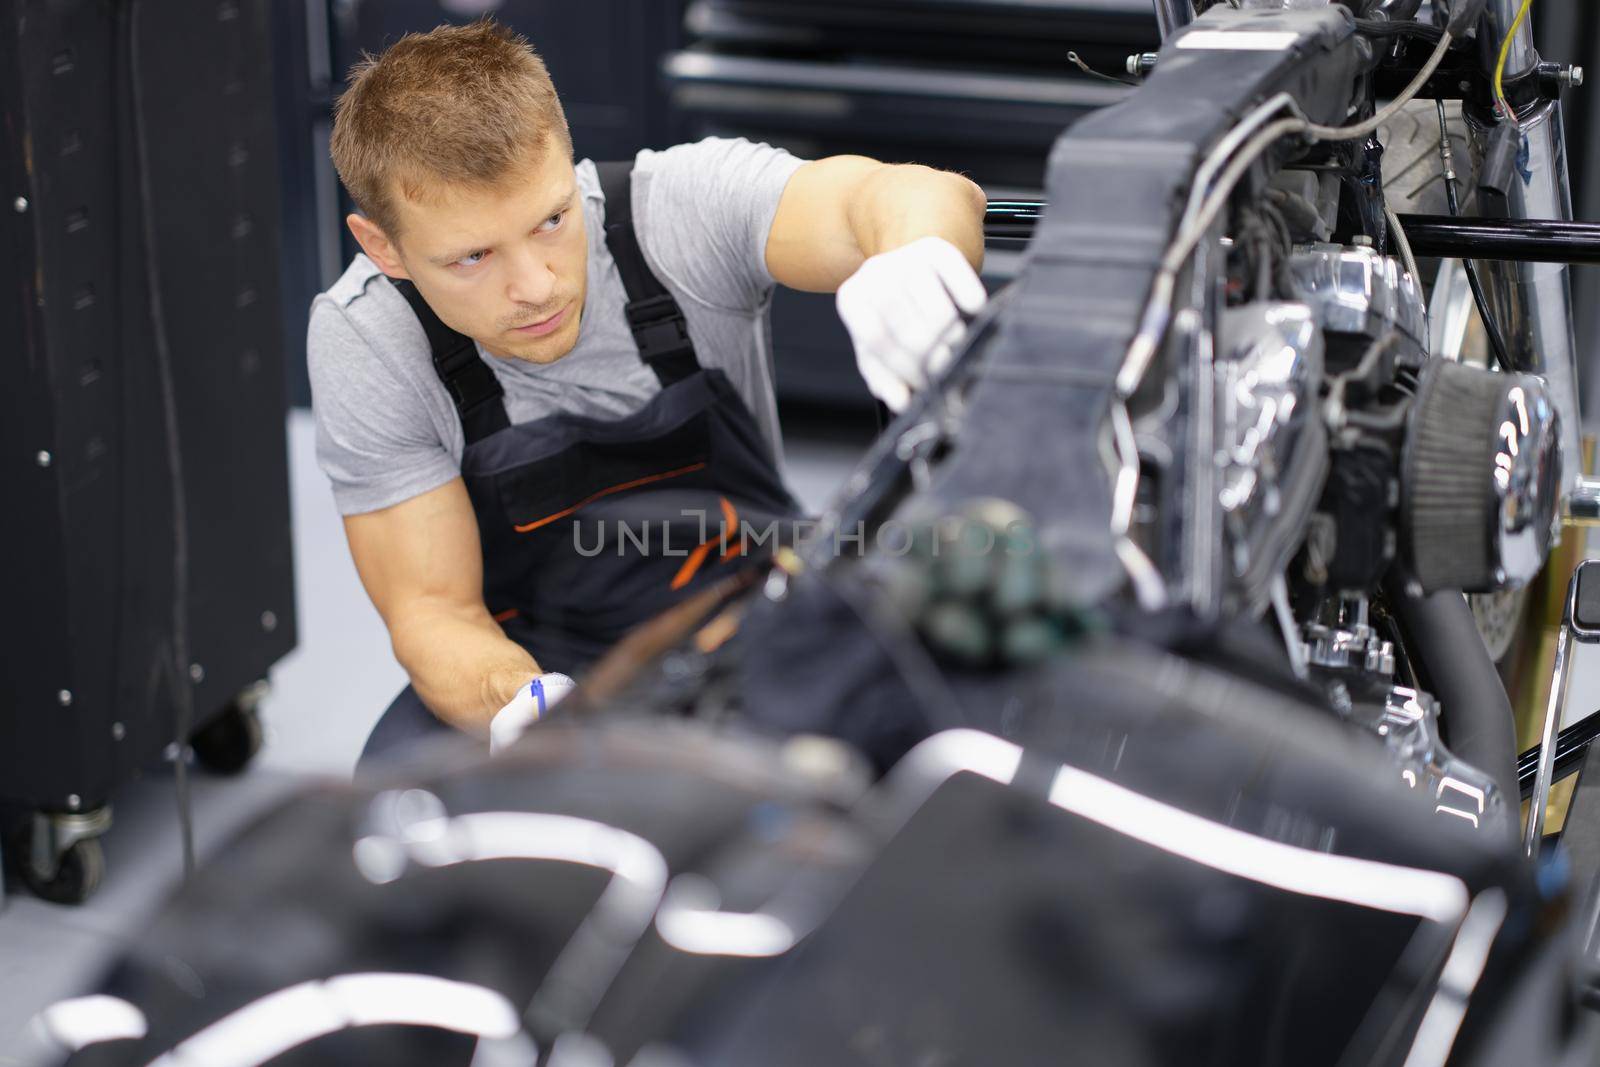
(463, 666)
(900, 204)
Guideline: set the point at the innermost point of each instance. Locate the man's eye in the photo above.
(553, 221)
(472, 259)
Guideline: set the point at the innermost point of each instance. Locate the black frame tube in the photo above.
(1572, 744)
(1524, 240)
(1527, 240)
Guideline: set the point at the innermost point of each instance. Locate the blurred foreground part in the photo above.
(668, 893)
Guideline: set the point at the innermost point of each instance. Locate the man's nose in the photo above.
(532, 282)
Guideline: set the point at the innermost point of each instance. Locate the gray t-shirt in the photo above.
(386, 428)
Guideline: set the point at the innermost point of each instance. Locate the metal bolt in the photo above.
(1140, 63)
(1361, 240)
(118, 731)
(19, 205)
(171, 752)
(42, 458)
(64, 698)
(197, 673)
(74, 802)
(1573, 76)
(269, 621)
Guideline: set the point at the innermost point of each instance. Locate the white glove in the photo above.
(527, 707)
(904, 313)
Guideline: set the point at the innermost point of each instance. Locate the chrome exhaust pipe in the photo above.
(1173, 15)
(1523, 56)
(1533, 301)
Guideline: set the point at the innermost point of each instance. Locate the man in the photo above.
(531, 349)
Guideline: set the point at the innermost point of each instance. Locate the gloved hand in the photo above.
(527, 707)
(904, 312)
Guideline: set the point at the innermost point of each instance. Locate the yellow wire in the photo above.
(1505, 53)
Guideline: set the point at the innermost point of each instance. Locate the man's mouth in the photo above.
(544, 326)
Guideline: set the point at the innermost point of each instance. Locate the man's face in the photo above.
(506, 266)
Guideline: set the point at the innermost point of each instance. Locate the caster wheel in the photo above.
(79, 873)
(228, 743)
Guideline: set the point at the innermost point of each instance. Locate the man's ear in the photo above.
(376, 244)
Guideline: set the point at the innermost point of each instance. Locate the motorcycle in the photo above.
(1127, 704)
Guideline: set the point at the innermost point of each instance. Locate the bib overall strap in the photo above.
(472, 386)
(658, 325)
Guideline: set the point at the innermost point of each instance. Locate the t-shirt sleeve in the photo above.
(375, 440)
(708, 211)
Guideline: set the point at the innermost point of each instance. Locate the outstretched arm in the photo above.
(902, 245)
(838, 212)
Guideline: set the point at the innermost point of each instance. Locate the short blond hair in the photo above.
(461, 105)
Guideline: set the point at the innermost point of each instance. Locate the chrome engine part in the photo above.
(1356, 664)
(1409, 727)
(1481, 479)
(1346, 641)
(1357, 291)
(1274, 437)
(1272, 449)
(1360, 648)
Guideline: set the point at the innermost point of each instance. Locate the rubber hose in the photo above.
(1454, 665)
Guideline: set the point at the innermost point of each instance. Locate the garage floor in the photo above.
(325, 697)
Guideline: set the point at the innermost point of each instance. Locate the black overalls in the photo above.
(590, 526)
